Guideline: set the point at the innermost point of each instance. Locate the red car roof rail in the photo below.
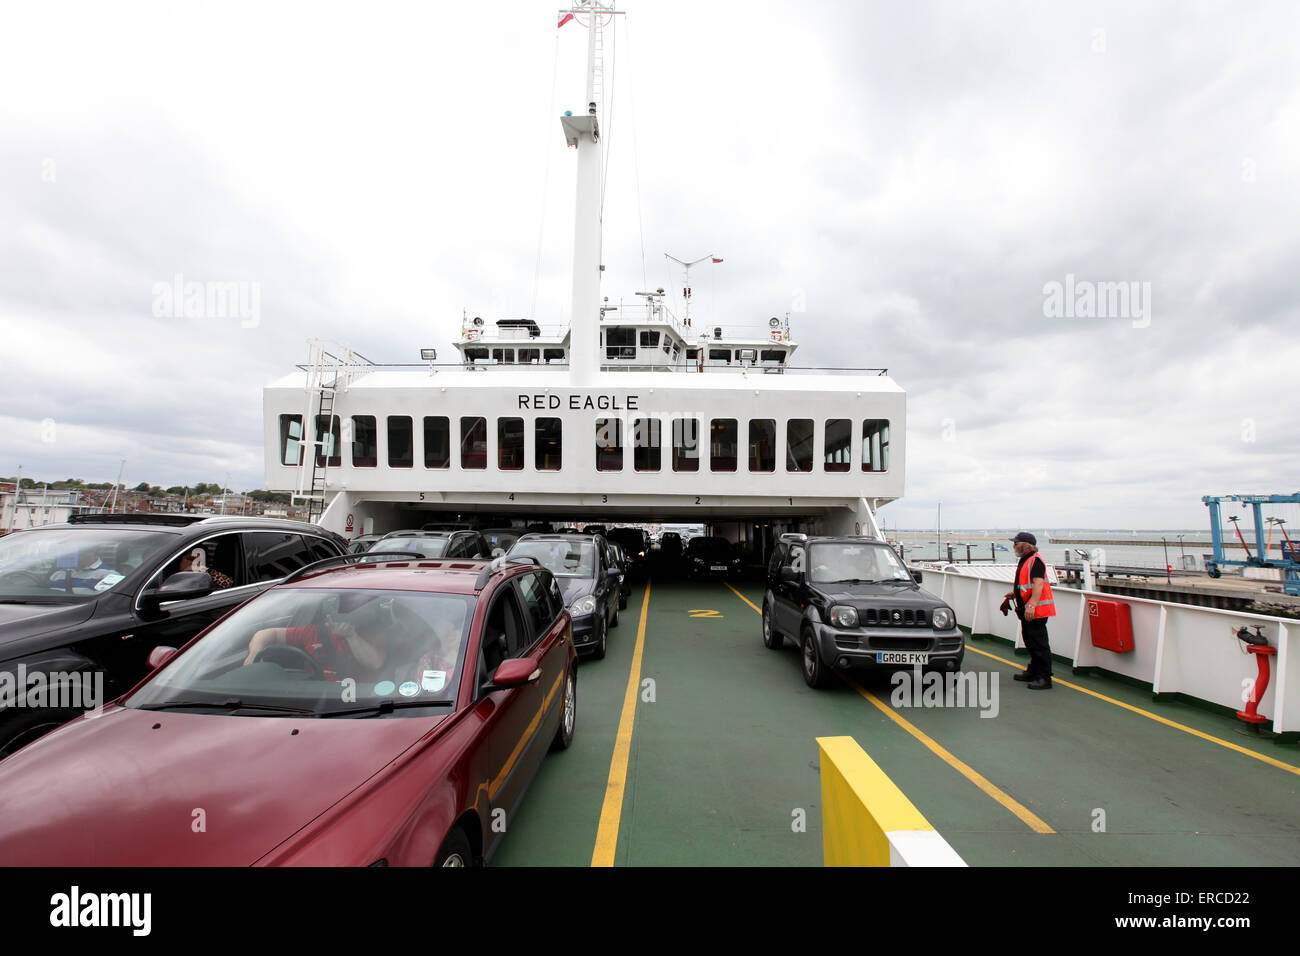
(345, 559)
(497, 564)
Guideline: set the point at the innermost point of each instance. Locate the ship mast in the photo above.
(583, 132)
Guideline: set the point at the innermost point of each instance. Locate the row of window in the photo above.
(686, 444)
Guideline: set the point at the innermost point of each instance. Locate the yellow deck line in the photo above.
(1030, 819)
(745, 599)
(1290, 768)
(1020, 810)
(612, 809)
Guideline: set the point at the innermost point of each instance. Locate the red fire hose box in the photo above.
(1110, 625)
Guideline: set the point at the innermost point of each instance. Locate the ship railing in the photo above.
(691, 368)
(1178, 648)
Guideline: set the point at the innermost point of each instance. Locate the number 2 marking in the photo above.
(702, 612)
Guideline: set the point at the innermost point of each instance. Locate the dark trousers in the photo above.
(1040, 654)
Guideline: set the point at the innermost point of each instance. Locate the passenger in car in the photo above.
(196, 559)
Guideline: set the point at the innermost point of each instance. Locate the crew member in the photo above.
(1034, 605)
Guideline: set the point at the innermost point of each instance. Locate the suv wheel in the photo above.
(772, 640)
(815, 671)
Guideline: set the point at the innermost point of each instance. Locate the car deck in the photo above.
(695, 745)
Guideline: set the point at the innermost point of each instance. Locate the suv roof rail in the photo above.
(344, 559)
(138, 517)
(496, 564)
(793, 536)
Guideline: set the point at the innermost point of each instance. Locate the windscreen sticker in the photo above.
(108, 580)
(433, 681)
(384, 688)
(409, 689)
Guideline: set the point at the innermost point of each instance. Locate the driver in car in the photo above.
(356, 647)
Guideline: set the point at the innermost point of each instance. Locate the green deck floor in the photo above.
(723, 762)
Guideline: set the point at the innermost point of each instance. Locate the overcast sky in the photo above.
(906, 177)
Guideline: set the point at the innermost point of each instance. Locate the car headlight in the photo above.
(844, 616)
(735, 560)
(941, 619)
(698, 560)
(582, 606)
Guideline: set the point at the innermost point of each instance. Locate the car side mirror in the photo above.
(516, 672)
(790, 575)
(916, 576)
(179, 587)
(613, 573)
(160, 656)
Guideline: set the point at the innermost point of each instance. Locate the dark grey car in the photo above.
(852, 603)
(83, 604)
(591, 585)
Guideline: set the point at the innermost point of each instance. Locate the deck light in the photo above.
(429, 355)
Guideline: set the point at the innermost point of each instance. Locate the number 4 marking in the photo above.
(701, 612)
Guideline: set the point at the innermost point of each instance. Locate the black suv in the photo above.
(83, 604)
(435, 544)
(852, 603)
(590, 582)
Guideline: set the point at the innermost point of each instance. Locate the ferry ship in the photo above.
(628, 413)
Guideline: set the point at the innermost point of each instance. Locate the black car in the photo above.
(619, 559)
(83, 604)
(435, 544)
(852, 603)
(591, 585)
(711, 557)
(503, 538)
(636, 547)
(362, 543)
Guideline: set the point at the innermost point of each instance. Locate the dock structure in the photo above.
(696, 745)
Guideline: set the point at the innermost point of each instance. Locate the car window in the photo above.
(536, 604)
(274, 554)
(74, 563)
(323, 649)
(503, 633)
(425, 547)
(556, 595)
(222, 556)
(319, 548)
(562, 557)
(838, 561)
(778, 554)
(797, 557)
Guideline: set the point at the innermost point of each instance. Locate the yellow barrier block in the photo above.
(866, 819)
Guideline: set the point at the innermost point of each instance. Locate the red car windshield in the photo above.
(323, 651)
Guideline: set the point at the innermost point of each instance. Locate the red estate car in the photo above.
(362, 713)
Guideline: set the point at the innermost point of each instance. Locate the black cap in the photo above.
(1027, 538)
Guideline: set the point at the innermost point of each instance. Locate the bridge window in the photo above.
(609, 444)
(646, 444)
(437, 442)
(649, 340)
(686, 444)
(401, 450)
(547, 434)
(692, 355)
(723, 438)
(290, 435)
(799, 444)
(771, 358)
(553, 356)
(762, 444)
(503, 356)
(365, 441)
(620, 343)
(510, 444)
(476, 355)
(719, 356)
(473, 442)
(529, 356)
(839, 444)
(329, 452)
(875, 445)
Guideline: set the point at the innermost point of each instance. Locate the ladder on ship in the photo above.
(328, 374)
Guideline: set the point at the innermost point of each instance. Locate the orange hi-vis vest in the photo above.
(1046, 607)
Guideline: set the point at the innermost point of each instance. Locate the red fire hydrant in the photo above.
(1262, 653)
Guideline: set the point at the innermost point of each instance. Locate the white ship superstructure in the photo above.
(628, 413)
